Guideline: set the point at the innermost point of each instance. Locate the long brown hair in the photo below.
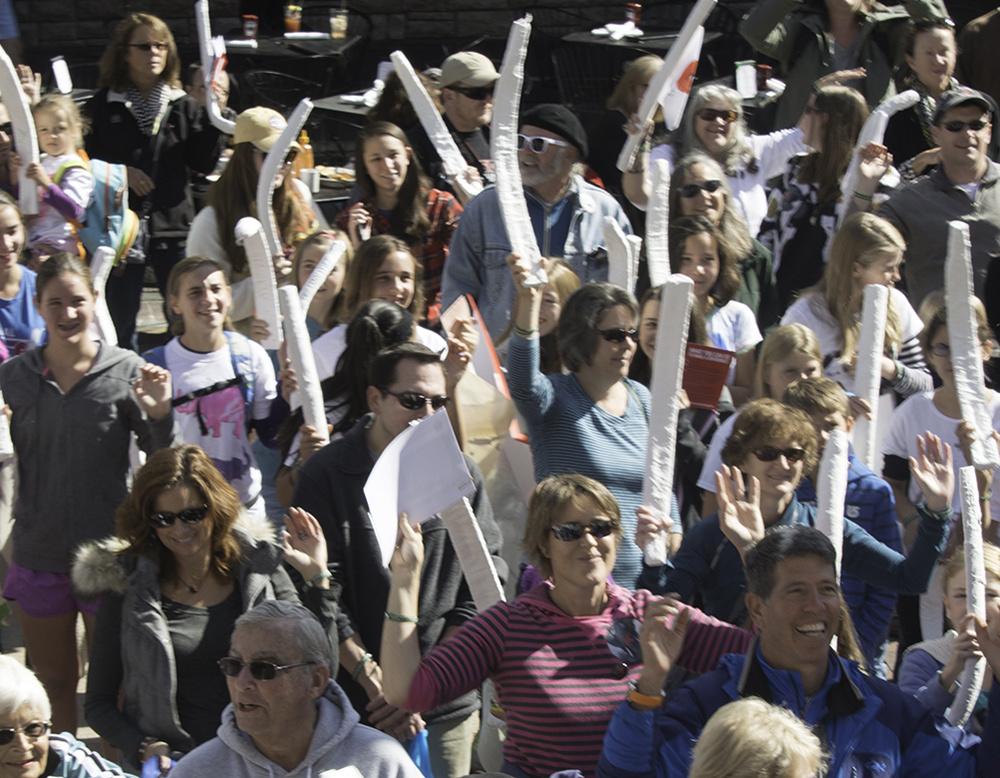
(846, 112)
(234, 196)
(114, 69)
(168, 469)
(728, 283)
(360, 280)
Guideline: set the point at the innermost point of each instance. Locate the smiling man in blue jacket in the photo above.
(868, 726)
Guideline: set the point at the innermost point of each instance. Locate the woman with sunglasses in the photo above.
(234, 196)
(560, 654)
(593, 419)
(814, 38)
(714, 124)
(141, 117)
(770, 448)
(399, 201)
(191, 562)
(28, 748)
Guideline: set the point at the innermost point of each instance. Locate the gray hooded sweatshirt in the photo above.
(73, 451)
(339, 741)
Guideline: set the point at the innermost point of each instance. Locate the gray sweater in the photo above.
(338, 741)
(73, 451)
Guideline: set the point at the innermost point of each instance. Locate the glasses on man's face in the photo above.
(32, 730)
(711, 114)
(572, 530)
(474, 92)
(164, 519)
(148, 47)
(537, 144)
(770, 453)
(261, 671)
(691, 190)
(414, 401)
(957, 126)
(941, 350)
(618, 335)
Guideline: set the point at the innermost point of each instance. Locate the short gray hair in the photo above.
(21, 689)
(309, 636)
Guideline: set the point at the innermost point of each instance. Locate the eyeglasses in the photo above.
(32, 730)
(473, 92)
(261, 671)
(941, 350)
(691, 190)
(148, 47)
(770, 453)
(537, 144)
(711, 114)
(957, 126)
(618, 335)
(600, 528)
(164, 519)
(414, 401)
(7, 128)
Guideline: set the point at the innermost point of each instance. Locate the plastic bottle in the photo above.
(304, 159)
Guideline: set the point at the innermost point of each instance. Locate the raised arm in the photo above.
(400, 656)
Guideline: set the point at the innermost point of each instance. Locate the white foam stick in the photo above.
(620, 254)
(676, 299)
(873, 131)
(975, 590)
(868, 368)
(966, 352)
(673, 65)
(831, 488)
(23, 123)
(6, 444)
(250, 235)
(437, 132)
(208, 67)
(635, 256)
(100, 269)
(269, 172)
(658, 224)
(310, 393)
(470, 547)
(320, 273)
(503, 145)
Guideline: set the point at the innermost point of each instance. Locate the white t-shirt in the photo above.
(222, 414)
(918, 415)
(328, 347)
(733, 327)
(772, 153)
(713, 458)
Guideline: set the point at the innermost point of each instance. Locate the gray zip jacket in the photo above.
(73, 451)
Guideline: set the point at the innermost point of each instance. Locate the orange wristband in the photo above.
(645, 700)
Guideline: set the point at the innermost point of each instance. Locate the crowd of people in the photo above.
(238, 617)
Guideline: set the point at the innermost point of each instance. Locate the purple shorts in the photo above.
(45, 595)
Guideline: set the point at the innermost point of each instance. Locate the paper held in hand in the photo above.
(421, 472)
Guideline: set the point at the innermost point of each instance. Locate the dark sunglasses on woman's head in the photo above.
(600, 528)
(164, 519)
(261, 671)
(691, 190)
(33, 730)
(770, 453)
(957, 126)
(711, 114)
(414, 401)
(147, 47)
(473, 92)
(618, 335)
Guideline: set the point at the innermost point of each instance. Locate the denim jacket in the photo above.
(477, 263)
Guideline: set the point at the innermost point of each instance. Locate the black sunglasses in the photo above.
(33, 730)
(165, 519)
(473, 92)
(261, 671)
(7, 128)
(770, 453)
(618, 335)
(600, 528)
(414, 401)
(148, 46)
(691, 190)
(711, 114)
(957, 126)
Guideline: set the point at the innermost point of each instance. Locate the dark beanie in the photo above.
(560, 120)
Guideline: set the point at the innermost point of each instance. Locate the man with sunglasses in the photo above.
(467, 81)
(965, 186)
(406, 383)
(567, 216)
(286, 711)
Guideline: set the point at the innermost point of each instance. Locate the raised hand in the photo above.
(153, 390)
(739, 509)
(932, 470)
(661, 638)
(304, 544)
(874, 161)
(408, 556)
(650, 525)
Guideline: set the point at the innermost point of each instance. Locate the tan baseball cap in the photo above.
(261, 127)
(468, 67)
